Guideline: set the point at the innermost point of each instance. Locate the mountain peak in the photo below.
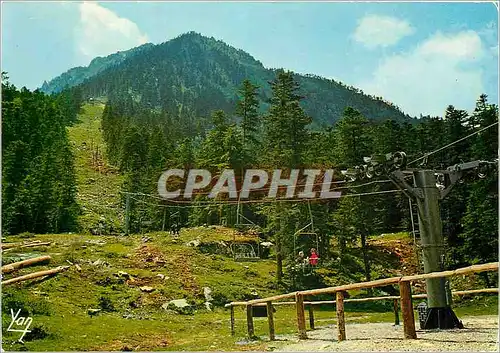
(194, 74)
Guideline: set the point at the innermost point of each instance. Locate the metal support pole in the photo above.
(439, 315)
(431, 236)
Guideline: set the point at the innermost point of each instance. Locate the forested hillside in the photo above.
(38, 178)
(192, 75)
(77, 75)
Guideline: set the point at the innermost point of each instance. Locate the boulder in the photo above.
(208, 298)
(147, 289)
(180, 306)
(194, 243)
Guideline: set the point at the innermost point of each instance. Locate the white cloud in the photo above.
(442, 70)
(374, 31)
(102, 32)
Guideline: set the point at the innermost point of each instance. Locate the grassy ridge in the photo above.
(98, 182)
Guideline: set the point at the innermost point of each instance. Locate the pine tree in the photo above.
(286, 137)
(480, 232)
(353, 142)
(285, 125)
(247, 109)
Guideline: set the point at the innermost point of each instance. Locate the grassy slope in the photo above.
(62, 301)
(98, 183)
(59, 304)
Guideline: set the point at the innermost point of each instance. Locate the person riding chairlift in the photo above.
(313, 259)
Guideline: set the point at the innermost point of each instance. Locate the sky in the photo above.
(420, 56)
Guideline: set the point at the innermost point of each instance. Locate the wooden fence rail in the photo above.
(405, 299)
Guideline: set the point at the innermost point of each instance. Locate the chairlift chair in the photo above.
(244, 252)
(307, 230)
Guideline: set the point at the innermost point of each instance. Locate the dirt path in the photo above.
(480, 334)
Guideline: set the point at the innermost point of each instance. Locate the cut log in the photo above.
(340, 316)
(30, 245)
(25, 263)
(270, 321)
(232, 320)
(301, 317)
(35, 275)
(407, 311)
(250, 330)
(9, 245)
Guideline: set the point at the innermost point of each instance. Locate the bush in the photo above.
(21, 300)
(105, 304)
(38, 332)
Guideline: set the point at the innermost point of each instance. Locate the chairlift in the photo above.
(241, 220)
(175, 221)
(307, 230)
(244, 252)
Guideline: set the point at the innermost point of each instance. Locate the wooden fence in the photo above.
(405, 298)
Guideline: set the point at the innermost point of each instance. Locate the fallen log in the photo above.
(25, 263)
(31, 245)
(35, 275)
(15, 245)
(9, 245)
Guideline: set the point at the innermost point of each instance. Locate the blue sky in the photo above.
(421, 56)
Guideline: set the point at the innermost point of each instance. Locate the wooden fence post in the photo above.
(270, 320)
(407, 310)
(311, 316)
(396, 312)
(232, 320)
(301, 317)
(250, 321)
(340, 316)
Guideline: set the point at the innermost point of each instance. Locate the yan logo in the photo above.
(20, 322)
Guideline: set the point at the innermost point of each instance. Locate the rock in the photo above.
(99, 262)
(207, 293)
(266, 244)
(208, 297)
(123, 274)
(180, 306)
(93, 312)
(162, 276)
(194, 243)
(147, 289)
(96, 242)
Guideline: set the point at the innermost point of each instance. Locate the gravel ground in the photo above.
(480, 334)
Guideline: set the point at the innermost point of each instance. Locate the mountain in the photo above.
(194, 75)
(77, 75)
